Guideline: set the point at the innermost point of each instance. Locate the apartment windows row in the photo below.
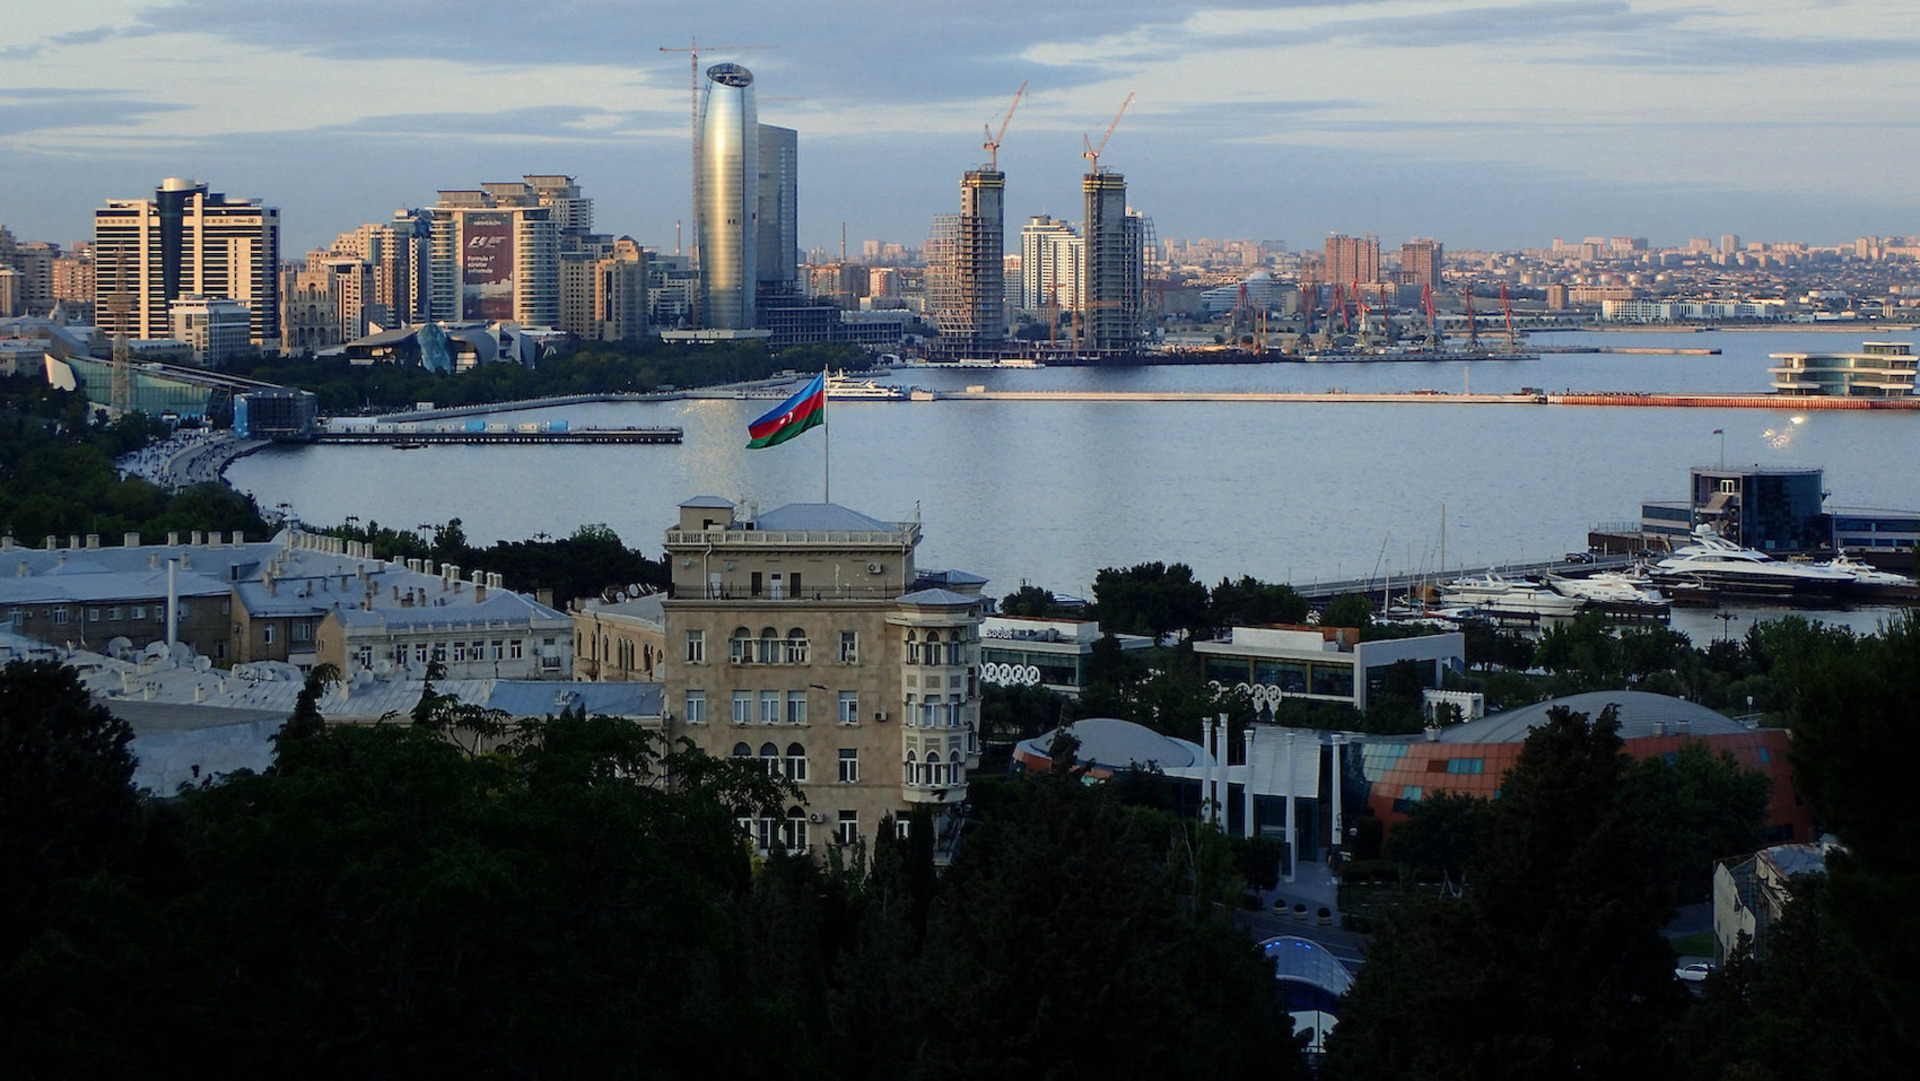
(936, 711)
(62, 615)
(769, 647)
(792, 762)
(933, 649)
(771, 707)
(451, 651)
(933, 771)
(790, 832)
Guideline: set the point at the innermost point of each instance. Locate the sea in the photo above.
(1049, 493)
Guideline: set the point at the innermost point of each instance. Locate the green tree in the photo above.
(1348, 610)
(1149, 598)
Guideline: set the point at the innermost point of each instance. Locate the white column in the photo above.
(1246, 789)
(1222, 742)
(1206, 770)
(1293, 839)
(1339, 822)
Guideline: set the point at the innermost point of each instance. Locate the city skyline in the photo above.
(1497, 126)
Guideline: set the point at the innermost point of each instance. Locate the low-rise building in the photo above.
(1878, 370)
(1324, 664)
(1750, 894)
(618, 640)
(1019, 651)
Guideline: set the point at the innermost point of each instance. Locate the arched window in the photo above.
(932, 654)
(957, 649)
(796, 763)
(770, 758)
(793, 832)
(796, 646)
(911, 776)
(933, 772)
(913, 648)
(769, 651)
(740, 646)
(741, 750)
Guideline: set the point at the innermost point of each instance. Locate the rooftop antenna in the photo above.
(992, 145)
(1092, 153)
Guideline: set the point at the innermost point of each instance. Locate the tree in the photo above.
(67, 803)
(1551, 964)
(1149, 598)
(1348, 610)
(1250, 602)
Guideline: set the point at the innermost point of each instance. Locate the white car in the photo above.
(1696, 972)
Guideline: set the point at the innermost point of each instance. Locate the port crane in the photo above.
(1513, 336)
(1092, 153)
(992, 145)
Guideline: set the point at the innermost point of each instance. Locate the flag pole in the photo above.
(826, 468)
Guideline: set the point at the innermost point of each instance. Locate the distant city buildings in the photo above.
(186, 240)
(1050, 264)
(1352, 259)
(495, 255)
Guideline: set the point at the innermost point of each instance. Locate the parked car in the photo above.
(1578, 557)
(1695, 972)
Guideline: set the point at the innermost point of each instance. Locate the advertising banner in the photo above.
(486, 260)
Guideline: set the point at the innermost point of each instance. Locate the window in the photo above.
(769, 707)
(740, 647)
(849, 765)
(849, 647)
(183, 609)
(696, 707)
(793, 832)
(849, 707)
(956, 650)
(770, 758)
(931, 771)
(932, 653)
(1466, 765)
(303, 631)
(902, 828)
(17, 617)
(796, 646)
(59, 615)
(741, 750)
(930, 711)
(459, 652)
(440, 652)
(767, 649)
(139, 611)
(910, 776)
(778, 591)
(93, 615)
(847, 830)
(912, 716)
(266, 633)
(696, 647)
(365, 656)
(113, 615)
(496, 649)
(743, 707)
(516, 650)
(913, 648)
(796, 763)
(796, 707)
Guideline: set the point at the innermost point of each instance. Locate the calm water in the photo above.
(1051, 492)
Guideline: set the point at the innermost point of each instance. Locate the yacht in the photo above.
(1610, 587)
(1866, 574)
(1493, 594)
(840, 388)
(1714, 561)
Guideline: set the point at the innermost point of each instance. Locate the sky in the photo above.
(1485, 123)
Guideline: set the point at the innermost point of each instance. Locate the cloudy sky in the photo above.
(1496, 123)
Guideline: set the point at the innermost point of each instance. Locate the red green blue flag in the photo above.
(806, 409)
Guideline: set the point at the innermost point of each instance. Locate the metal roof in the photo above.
(821, 517)
(1640, 713)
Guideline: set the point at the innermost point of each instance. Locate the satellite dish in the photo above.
(203, 664)
(120, 647)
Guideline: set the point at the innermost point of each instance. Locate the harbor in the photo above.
(489, 435)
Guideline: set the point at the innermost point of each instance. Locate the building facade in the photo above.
(216, 330)
(1051, 260)
(1352, 259)
(186, 240)
(1878, 370)
(1112, 275)
(777, 247)
(495, 256)
(807, 640)
(966, 265)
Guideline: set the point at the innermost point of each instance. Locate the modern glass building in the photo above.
(727, 199)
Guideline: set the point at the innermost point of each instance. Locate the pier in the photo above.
(1797, 403)
(414, 439)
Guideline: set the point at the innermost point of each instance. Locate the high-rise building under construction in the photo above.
(966, 283)
(1114, 274)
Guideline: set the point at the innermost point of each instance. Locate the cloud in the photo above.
(35, 109)
(84, 37)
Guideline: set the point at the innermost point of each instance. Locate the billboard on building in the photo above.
(487, 268)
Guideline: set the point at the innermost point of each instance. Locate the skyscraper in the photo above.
(1050, 264)
(496, 256)
(727, 199)
(1352, 259)
(185, 241)
(1112, 266)
(1420, 262)
(965, 276)
(779, 211)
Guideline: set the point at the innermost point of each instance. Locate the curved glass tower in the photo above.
(728, 199)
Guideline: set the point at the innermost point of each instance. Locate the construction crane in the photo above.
(992, 145)
(1513, 336)
(1092, 153)
(1473, 324)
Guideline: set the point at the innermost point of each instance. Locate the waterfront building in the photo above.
(1770, 510)
(1420, 264)
(282, 414)
(1352, 259)
(966, 265)
(727, 199)
(1050, 265)
(495, 255)
(216, 330)
(1114, 274)
(777, 217)
(807, 640)
(186, 240)
(1018, 651)
(1878, 370)
(1322, 664)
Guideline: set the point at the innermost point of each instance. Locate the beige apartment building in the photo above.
(806, 639)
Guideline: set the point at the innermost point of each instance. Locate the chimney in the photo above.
(427, 567)
(494, 581)
(73, 540)
(93, 540)
(131, 540)
(6, 543)
(173, 539)
(479, 586)
(239, 538)
(52, 542)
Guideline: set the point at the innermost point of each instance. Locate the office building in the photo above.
(806, 640)
(495, 256)
(966, 265)
(1878, 370)
(186, 240)
(1768, 509)
(1352, 259)
(727, 200)
(1420, 262)
(778, 214)
(399, 253)
(216, 330)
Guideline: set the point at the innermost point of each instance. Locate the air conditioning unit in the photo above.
(879, 714)
(876, 568)
(816, 817)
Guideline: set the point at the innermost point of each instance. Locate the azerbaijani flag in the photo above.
(806, 409)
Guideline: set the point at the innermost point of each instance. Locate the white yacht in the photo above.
(840, 388)
(1496, 595)
(1610, 587)
(1866, 574)
(1714, 561)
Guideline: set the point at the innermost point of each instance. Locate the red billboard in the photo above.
(486, 261)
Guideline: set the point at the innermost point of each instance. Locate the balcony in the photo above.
(934, 795)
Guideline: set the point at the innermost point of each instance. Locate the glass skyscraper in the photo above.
(727, 199)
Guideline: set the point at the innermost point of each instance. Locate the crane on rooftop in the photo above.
(693, 50)
(992, 145)
(1092, 153)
